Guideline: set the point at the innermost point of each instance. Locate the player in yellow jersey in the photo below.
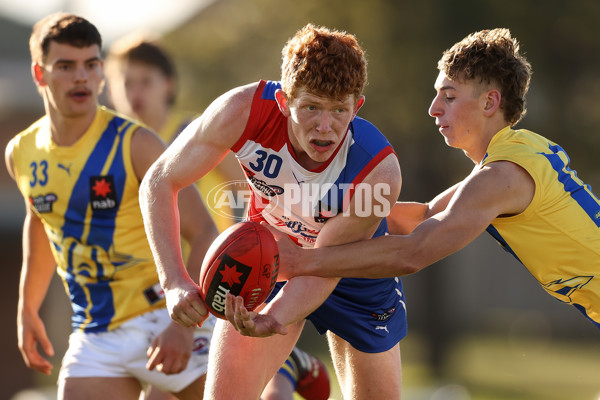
(78, 169)
(142, 84)
(79, 175)
(521, 189)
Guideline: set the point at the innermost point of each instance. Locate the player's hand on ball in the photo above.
(250, 323)
(185, 305)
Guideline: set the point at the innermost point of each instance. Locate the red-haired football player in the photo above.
(321, 175)
(142, 79)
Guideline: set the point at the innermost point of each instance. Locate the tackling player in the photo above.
(522, 190)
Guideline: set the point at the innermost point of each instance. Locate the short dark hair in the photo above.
(492, 56)
(61, 28)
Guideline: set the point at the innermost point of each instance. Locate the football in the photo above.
(244, 261)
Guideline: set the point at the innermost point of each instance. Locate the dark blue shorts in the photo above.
(370, 314)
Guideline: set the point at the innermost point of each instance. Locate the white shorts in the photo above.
(122, 353)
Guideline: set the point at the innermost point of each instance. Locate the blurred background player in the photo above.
(78, 169)
(142, 83)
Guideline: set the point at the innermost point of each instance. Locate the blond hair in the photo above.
(492, 56)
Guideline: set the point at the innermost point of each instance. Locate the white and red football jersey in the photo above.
(286, 195)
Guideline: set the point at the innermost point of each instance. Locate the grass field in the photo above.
(477, 368)
(498, 368)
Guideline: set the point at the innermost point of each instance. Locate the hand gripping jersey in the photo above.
(299, 202)
(87, 198)
(558, 236)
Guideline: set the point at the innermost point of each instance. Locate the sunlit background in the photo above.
(480, 326)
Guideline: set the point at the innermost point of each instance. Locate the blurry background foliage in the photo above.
(236, 42)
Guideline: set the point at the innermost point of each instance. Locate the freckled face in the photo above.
(318, 125)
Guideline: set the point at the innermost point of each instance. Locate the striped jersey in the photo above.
(558, 236)
(86, 195)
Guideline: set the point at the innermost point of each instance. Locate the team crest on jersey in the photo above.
(102, 193)
(43, 203)
(262, 186)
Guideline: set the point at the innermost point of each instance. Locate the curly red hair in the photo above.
(325, 62)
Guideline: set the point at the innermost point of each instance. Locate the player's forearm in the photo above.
(32, 290)
(299, 297)
(440, 202)
(33, 286)
(375, 258)
(405, 216)
(197, 228)
(38, 265)
(158, 203)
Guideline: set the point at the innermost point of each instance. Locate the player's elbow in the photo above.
(410, 268)
(145, 186)
(406, 266)
(149, 185)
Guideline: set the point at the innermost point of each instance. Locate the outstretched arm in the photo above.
(406, 216)
(500, 188)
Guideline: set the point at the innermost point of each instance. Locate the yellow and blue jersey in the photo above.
(558, 236)
(86, 195)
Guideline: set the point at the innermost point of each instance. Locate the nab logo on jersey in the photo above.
(102, 193)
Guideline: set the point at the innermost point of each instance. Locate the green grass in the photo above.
(495, 368)
(481, 368)
(526, 369)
